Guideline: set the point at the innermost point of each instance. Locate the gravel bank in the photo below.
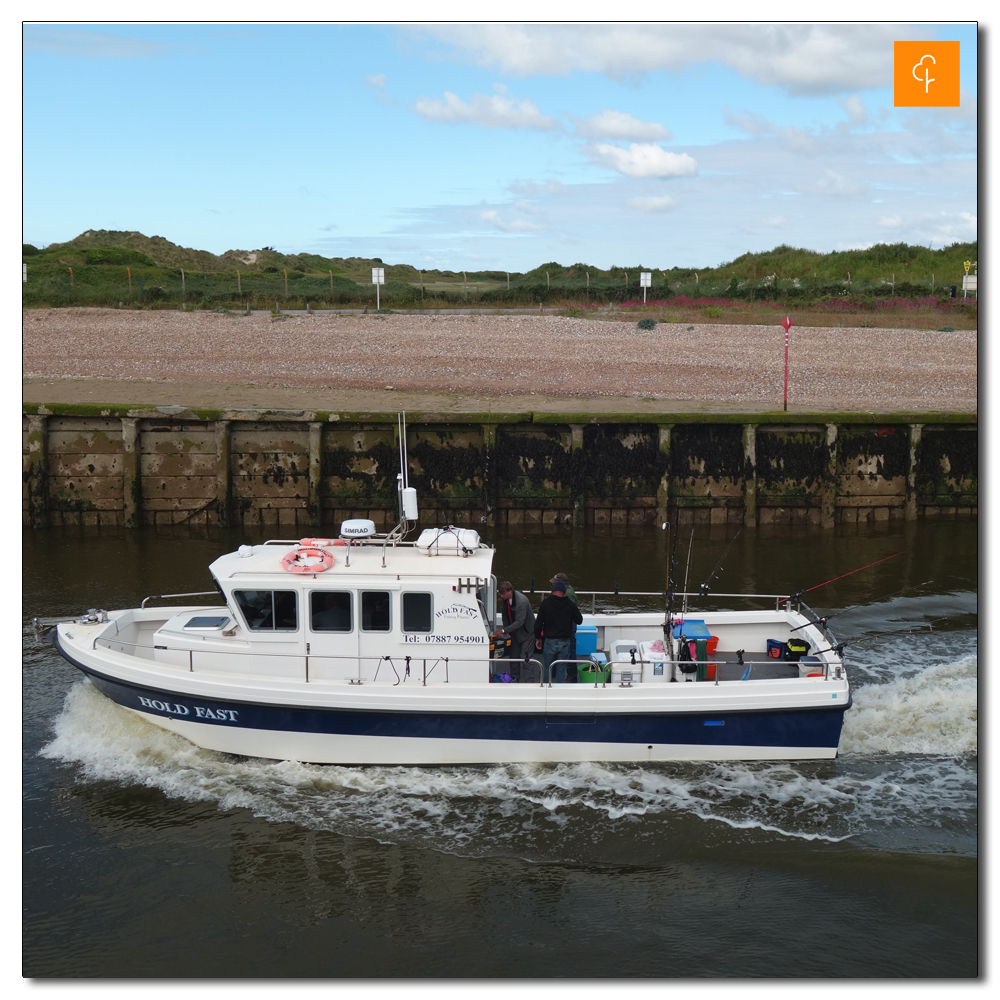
(829, 368)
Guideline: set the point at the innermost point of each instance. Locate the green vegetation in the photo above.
(93, 270)
(647, 324)
(117, 255)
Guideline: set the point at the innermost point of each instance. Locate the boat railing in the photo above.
(406, 661)
(194, 593)
(403, 662)
(779, 599)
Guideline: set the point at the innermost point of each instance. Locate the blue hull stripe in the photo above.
(788, 728)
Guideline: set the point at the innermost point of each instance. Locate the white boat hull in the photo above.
(326, 749)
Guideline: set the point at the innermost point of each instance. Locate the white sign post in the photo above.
(378, 278)
(646, 281)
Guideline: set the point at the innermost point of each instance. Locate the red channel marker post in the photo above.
(787, 324)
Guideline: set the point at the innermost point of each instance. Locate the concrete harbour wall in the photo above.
(119, 466)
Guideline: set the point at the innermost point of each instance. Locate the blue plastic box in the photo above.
(586, 641)
(693, 628)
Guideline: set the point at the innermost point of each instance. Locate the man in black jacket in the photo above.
(519, 624)
(555, 620)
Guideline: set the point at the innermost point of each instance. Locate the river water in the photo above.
(146, 856)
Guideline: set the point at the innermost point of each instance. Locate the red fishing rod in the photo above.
(799, 593)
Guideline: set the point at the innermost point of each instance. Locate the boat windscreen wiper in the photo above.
(703, 592)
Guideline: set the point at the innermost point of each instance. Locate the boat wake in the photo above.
(907, 772)
(931, 711)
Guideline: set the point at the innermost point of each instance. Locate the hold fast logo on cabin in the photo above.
(462, 612)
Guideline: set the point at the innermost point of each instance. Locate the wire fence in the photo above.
(49, 284)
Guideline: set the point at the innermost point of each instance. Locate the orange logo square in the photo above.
(925, 75)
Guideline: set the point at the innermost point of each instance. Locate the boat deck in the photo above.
(761, 668)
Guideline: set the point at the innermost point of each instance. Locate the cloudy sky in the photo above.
(494, 146)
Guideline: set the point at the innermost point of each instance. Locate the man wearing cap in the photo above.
(519, 624)
(570, 592)
(556, 620)
(571, 668)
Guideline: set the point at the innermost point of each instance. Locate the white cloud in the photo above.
(755, 125)
(832, 183)
(375, 80)
(752, 124)
(855, 108)
(75, 44)
(774, 222)
(490, 111)
(961, 227)
(642, 159)
(529, 188)
(799, 58)
(620, 125)
(800, 142)
(660, 204)
(517, 226)
(889, 221)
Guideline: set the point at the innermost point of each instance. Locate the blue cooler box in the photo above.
(692, 628)
(586, 641)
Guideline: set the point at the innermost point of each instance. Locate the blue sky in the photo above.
(500, 146)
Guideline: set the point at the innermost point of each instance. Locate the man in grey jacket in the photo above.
(519, 624)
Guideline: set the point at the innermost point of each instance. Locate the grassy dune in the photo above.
(105, 268)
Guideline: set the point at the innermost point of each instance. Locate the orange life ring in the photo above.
(313, 543)
(815, 675)
(307, 559)
(340, 541)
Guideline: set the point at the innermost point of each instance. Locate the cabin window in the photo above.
(268, 610)
(330, 611)
(375, 611)
(417, 613)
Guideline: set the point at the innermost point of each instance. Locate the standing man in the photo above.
(519, 624)
(571, 668)
(557, 619)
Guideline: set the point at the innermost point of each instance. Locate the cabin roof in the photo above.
(365, 560)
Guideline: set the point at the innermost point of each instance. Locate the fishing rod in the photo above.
(823, 619)
(671, 560)
(839, 648)
(704, 587)
(916, 627)
(798, 594)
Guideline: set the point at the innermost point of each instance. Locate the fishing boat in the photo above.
(368, 648)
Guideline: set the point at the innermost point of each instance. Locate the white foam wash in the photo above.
(907, 770)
